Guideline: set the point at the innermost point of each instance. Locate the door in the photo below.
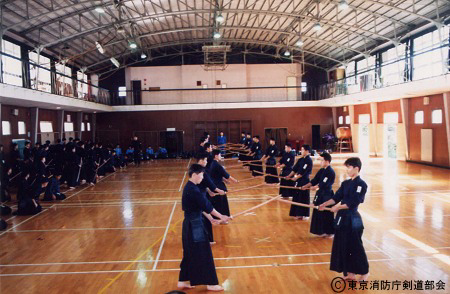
(279, 134)
(136, 90)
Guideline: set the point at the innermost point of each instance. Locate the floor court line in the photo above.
(218, 267)
(165, 235)
(178, 260)
(37, 214)
(85, 229)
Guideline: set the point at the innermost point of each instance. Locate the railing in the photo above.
(41, 78)
(376, 78)
(213, 95)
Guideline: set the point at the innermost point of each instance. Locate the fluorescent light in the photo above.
(100, 9)
(132, 45)
(287, 53)
(220, 18)
(317, 26)
(343, 5)
(216, 35)
(115, 62)
(143, 55)
(299, 43)
(99, 47)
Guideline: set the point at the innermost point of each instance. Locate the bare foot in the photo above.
(184, 285)
(214, 288)
(350, 277)
(305, 218)
(330, 236)
(364, 277)
(212, 243)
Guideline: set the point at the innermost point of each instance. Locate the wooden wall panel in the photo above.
(389, 106)
(362, 109)
(342, 111)
(440, 147)
(297, 120)
(24, 115)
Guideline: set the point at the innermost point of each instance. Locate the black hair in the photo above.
(202, 139)
(326, 156)
(257, 137)
(215, 152)
(307, 147)
(207, 145)
(201, 155)
(288, 145)
(195, 169)
(354, 162)
(272, 139)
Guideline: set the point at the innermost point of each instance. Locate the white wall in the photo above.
(234, 76)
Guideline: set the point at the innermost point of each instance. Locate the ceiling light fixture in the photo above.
(143, 55)
(132, 45)
(99, 47)
(121, 30)
(100, 9)
(317, 26)
(216, 35)
(343, 5)
(115, 62)
(287, 53)
(220, 18)
(299, 43)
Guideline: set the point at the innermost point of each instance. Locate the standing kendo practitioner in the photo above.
(81, 152)
(208, 151)
(91, 165)
(73, 166)
(300, 173)
(270, 159)
(256, 154)
(242, 145)
(348, 255)
(286, 163)
(322, 221)
(137, 146)
(219, 175)
(209, 190)
(197, 266)
(247, 147)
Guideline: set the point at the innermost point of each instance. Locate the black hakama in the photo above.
(300, 196)
(197, 265)
(303, 167)
(271, 170)
(220, 202)
(322, 221)
(348, 254)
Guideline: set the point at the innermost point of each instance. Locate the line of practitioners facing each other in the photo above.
(348, 254)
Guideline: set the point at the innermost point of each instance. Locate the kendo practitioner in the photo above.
(41, 170)
(27, 204)
(52, 191)
(208, 151)
(91, 165)
(218, 174)
(129, 154)
(286, 163)
(270, 159)
(15, 159)
(301, 172)
(209, 190)
(197, 266)
(5, 180)
(348, 255)
(73, 167)
(322, 221)
(137, 146)
(247, 145)
(27, 153)
(256, 154)
(201, 148)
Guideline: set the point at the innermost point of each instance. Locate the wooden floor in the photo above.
(124, 235)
